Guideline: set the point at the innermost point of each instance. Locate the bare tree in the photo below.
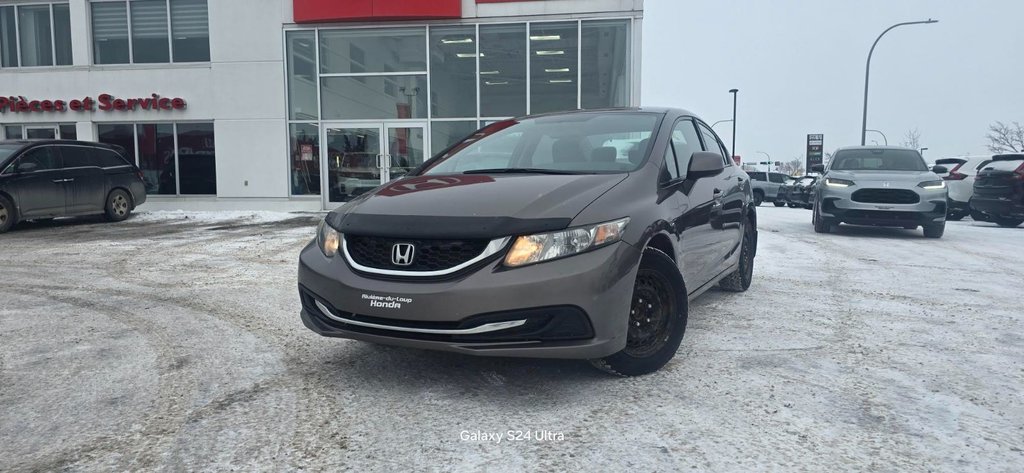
(794, 167)
(1006, 138)
(912, 139)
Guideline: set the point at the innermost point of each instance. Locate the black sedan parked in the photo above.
(800, 194)
(59, 178)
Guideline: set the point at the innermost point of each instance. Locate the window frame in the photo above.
(131, 38)
(174, 132)
(53, 35)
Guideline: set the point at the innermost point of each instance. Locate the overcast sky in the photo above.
(799, 65)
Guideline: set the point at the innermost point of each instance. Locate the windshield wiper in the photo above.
(519, 171)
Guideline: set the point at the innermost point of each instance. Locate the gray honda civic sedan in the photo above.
(577, 235)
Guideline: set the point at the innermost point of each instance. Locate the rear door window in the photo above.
(77, 157)
(1010, 165)
(107, 158)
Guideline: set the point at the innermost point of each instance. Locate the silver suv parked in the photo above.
(766, 187)
(882, 186)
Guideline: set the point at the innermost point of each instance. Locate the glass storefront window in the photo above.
(8, 38)
(453, 72)
(374, 97)
(553, 67)
(149, 31)
(502, 70)
(197, 159)
(34, 33)
(189, 31)
(301, 53)
(122, 135)
(190, 23)
(68, 132)
(373, 50)
(156, 157)
(304, 147)
(446, 133)
(12, 132)
(605, 58)
(110, 32)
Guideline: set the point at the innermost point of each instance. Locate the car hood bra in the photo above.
(471, 206)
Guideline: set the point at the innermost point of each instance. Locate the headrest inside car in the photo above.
(604, 154)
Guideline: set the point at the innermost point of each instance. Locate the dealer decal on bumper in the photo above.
(386, 302)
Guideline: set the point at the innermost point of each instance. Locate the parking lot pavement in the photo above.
(167, 342)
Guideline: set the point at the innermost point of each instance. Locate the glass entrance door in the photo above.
(358, 157)
(353, 160)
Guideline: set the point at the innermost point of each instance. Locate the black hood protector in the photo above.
(434, 227)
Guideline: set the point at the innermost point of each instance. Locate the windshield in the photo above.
(578, 143)
(878, 160)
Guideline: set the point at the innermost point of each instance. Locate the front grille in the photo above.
(429, 255)
(881, 215)
(886, 196)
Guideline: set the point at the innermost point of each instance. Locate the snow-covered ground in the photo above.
(167, 342)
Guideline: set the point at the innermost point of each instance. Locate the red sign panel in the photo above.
(314, 11)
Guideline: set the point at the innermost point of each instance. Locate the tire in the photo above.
(650, 345)
(779, 204)
(8, 216)
(978, 216)
(934, 231)
(758, 198)
(1007, 222)
(119, 205)
(739, 280)
(820, 224)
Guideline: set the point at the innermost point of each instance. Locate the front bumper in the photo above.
(838, 206)
(575, 307)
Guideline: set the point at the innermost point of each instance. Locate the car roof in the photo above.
(901, 148)
(26, 143)
(659, 110)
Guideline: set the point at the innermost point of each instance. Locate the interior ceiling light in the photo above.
(457, 41)
(496, 83)
(548, 37)
(561, 69)
(489, 73)
(550, 53)
(560, 81)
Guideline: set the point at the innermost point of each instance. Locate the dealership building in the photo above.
(300, 104)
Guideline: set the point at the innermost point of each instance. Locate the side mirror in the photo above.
(26, 167)
(818, 168)
(940, 170)
(704, 164)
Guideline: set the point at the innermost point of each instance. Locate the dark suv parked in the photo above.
(999, 190)
(576, 235)
(58, 178)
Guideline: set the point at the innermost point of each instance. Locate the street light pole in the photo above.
(733, 149)
(922, 151)
(883, 136)
(719, 122)
(867, 73)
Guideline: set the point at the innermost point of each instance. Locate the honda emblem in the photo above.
(402, 254)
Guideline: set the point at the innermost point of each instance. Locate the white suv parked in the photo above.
(960, 180)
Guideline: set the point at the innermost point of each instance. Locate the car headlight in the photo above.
(531, 249)
(833, 182)
(328, 239)
(932, 185)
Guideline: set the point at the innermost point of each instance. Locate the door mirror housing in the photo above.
(818, 168)
(704, 164)
(940, 170)
(26, 167)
